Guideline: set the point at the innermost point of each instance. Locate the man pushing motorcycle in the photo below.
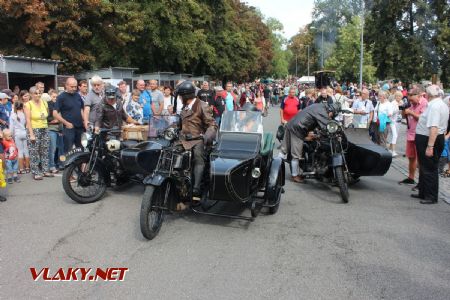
(198, 129)
(298, 129)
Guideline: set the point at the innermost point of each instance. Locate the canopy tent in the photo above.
(306, 79)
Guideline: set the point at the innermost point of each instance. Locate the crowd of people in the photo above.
(38, 127)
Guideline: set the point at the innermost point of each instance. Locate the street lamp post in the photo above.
(361, 59)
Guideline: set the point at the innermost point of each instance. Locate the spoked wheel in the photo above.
(153, 206)
(342, 183)
(81, 185)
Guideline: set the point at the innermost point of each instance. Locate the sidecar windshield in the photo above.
(158, 124)
(242, 121)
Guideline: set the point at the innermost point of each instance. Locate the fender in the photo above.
(337, 160)
(155, 180)
(85, 156)
(275, 168)
(277, 164)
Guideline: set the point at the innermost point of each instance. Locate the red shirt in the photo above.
(290, 106)
(10, 149)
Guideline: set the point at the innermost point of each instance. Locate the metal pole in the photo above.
(362, 49)
(308, 62)
(322, 50)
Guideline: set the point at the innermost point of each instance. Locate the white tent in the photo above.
(306, 79)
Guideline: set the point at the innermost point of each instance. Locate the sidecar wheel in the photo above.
(152, 217)
(343, 187)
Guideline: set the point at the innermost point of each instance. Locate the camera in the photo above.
(404, 106)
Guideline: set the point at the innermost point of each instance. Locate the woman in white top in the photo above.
(398, 96)
(168, 102)
(384, 107)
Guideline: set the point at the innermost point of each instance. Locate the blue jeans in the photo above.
(12, 166)
(60, 149)
(52, 148)
(217, 120)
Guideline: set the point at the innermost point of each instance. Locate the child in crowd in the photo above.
(11, 155)
(133, 108)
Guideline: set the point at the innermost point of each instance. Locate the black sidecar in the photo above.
(240, 169)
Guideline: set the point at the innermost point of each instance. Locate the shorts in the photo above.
(411, 151)
(12, 166)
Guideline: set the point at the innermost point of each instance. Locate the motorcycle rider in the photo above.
(198, 129)
(298, 128)
(112, 113)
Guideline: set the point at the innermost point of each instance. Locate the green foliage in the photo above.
(226, 39)
(345, 59)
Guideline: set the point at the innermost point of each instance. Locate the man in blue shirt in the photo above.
(230, 98)
(145, 100)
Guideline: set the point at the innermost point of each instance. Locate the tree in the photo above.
(280, 60)
(298, 47)
(346, 56)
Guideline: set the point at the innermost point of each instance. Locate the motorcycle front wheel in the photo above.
(153, 207)
(82, 186)
(342, 183)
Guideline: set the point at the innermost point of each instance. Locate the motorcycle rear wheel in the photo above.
(342, 183)
(152, 214)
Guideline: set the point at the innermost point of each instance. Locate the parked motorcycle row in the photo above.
(240, 167)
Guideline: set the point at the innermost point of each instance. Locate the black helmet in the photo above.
(110, 93)
(248, 107)
(186, 88)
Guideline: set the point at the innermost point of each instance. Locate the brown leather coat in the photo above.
(197, 121)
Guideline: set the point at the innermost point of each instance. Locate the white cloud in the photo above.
(294, 14)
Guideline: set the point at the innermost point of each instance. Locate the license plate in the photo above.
(70, 153)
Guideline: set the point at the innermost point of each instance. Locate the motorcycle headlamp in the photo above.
(85, 138)
(170, 134)
(113, 145)
(332, 127)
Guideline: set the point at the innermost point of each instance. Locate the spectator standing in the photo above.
(267, 92)
(157, 98)
(276, 94)
(4, 118)
(430, 132)
(230, 98)
(324, 97)
(11, 154)
(24, 96)
(133, 108)
(363, 110)
(145, 100)
(382, 117)
(308, 99)
(396, 103)
(54, 132)
(17, 124)
(289, 106)
(205, 94)
(247, 96)
(93, 102)
(260, 101)
(68, 110)
(40, 86)
(169, 101)
(123, 93)
(83, 89)
(36, 112)
(412, 114)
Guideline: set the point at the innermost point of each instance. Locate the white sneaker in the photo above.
(394, 154)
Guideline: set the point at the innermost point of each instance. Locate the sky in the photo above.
(292, 13)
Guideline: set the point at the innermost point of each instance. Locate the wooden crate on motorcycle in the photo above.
(136, 132)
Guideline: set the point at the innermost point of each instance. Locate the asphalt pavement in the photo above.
(381, 245)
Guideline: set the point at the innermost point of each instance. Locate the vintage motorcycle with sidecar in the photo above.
(105, 161)
(240, 169)
(340, 156)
